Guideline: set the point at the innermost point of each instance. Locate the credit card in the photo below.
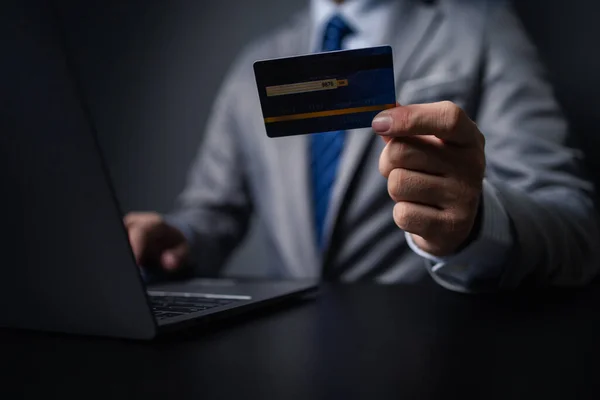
(325, 92)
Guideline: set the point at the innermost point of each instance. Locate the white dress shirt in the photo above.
(372, 22)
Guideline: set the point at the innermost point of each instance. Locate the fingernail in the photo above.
(382, 123)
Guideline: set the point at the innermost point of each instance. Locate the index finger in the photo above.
(444, 120)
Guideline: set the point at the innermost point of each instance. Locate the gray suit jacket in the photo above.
(474, 53)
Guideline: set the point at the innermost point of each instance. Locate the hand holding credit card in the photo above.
(434, 162)
(434, 159)
(324, 92)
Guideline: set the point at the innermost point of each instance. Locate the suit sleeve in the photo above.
(536, 173)
(483, 260)
(214, 209)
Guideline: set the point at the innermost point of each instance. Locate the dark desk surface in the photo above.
(375, 342)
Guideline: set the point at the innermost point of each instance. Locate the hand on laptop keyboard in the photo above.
(155, 243)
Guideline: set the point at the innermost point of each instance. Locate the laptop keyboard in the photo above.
(174, 306)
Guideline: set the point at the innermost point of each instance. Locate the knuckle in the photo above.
(411, 181)
(385, 164)
(448, 222)
(450, 116)
(429, 226)
(395, 184)
(402, 216)
(404, 120)
(463, 195)
(398, 151)
(456, 221)
(411, 220)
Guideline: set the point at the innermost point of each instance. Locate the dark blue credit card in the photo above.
(325, 92)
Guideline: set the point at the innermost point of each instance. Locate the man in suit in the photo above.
(473, 183)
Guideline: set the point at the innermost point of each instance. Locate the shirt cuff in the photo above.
(483, 259)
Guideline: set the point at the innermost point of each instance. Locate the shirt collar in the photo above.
(371, 20)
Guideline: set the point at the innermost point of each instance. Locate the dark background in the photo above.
(150, 70)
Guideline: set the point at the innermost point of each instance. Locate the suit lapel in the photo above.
(415, 25)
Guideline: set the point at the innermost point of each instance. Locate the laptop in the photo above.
(67, 265)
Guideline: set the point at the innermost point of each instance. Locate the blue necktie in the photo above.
(326, 148)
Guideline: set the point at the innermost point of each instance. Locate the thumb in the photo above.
(387, 139)
(175, 257)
